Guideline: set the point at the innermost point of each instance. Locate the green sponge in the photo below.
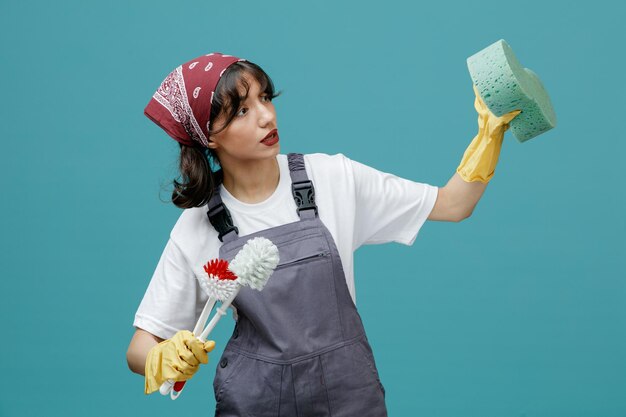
(504, 85)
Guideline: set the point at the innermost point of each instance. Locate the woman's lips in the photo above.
(271, 138)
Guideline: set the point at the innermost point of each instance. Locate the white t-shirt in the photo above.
(358, 204)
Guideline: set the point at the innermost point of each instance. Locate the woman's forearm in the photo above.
(138, 349)
(464, 196)
(478, 164)
(456, 201)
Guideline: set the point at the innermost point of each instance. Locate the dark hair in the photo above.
(198, 178)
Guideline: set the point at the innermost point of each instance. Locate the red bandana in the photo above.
(182, 104)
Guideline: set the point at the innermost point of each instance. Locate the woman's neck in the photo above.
(253, 182)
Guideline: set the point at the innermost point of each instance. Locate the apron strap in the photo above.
(218, 213)
(301, 187)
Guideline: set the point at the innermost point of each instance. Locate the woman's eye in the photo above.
(266, 98)
(242, 110)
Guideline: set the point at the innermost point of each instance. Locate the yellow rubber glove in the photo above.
(177, 359)
(481, 156)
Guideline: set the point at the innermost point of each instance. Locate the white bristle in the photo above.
(255, 263)
(219, 289)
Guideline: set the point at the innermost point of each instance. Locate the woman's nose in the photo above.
(267, 115)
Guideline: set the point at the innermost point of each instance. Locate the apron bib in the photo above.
(298, 348)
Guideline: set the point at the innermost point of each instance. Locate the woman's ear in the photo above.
(212, 144)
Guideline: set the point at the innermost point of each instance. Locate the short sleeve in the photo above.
(170, 302)
(389, 208)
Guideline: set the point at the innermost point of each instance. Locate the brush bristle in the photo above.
(220, 289)
(219, 269)
(255, 262)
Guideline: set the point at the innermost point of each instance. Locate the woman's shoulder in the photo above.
(331, 174)
(327, 162)
(192, 227)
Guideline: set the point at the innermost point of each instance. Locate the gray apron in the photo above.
(298, 348)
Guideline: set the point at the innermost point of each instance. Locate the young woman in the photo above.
(298, 347)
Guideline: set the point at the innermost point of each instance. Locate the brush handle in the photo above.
(219, 313)
(204, 315)
(175, 388)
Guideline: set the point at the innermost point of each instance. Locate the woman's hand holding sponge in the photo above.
(509, 89)
(480, 158)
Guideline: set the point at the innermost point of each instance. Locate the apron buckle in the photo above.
(220, 218)
(304, 195)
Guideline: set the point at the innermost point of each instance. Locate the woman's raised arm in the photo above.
(457, 200)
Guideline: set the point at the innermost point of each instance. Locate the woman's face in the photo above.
(242, 140)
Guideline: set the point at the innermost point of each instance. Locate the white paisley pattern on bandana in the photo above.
(173, 96)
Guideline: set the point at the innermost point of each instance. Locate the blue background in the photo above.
(517, 311)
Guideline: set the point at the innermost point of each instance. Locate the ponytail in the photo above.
(197, 179)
